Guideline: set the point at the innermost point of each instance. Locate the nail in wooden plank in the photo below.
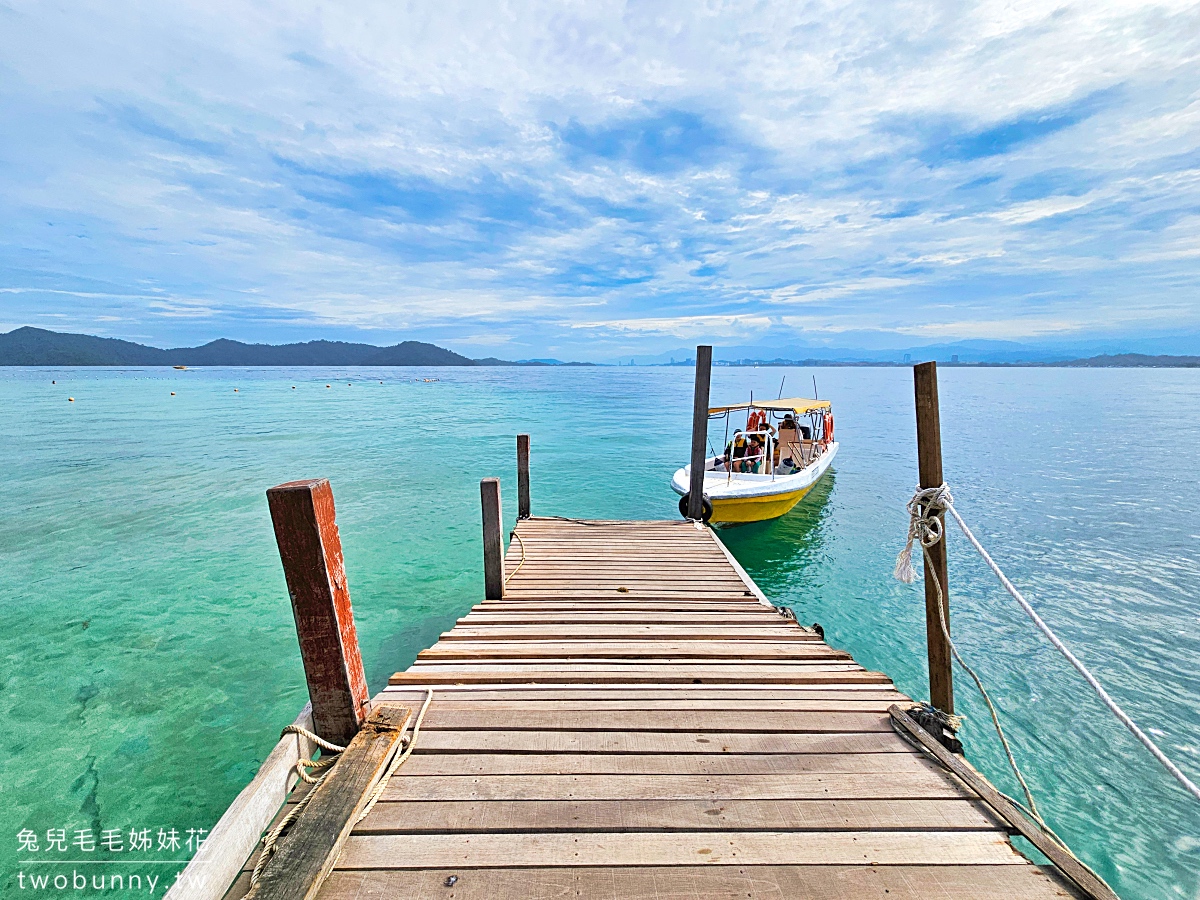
(311, 550)
(493, 544)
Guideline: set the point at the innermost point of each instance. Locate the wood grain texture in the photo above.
(310, 547)
(676, 739)
(307, 852)
(929, 464)
(826, 882)
(737, 848)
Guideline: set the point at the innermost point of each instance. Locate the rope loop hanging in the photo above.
(924, 526)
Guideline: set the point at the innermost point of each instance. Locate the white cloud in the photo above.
(401, 167)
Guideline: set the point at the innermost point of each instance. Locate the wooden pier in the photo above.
(625, 715)
(632, 720)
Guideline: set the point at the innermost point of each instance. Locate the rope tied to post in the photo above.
(924, 526)
(271, 838)
(923, 512)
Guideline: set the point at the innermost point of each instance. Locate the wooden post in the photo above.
(493, 543)
(699, 431)
(311, 549)
(929, 463)
(522, 476)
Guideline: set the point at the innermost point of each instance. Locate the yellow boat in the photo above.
(768, 465)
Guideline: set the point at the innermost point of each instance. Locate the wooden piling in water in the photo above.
(522, 476)
(929, 464)
(493, 542)
(695, 503)
(311, 550)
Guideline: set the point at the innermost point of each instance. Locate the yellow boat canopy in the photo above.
(798, 405)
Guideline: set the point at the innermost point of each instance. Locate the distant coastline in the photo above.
(38, 347)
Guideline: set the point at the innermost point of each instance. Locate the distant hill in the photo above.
(1133, 361)
(38, 347)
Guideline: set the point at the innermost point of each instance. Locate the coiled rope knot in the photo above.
(924, 525)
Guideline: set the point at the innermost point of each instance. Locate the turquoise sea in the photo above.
(147, 653)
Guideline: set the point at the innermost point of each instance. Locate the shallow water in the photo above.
(149, 657)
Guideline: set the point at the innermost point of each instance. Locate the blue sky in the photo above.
(588, 180)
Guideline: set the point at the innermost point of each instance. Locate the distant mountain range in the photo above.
(38, 347)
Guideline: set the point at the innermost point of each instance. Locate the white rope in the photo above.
(942, 493)
(512, 534)
(398, 761)
(271, 838)
(925, 527)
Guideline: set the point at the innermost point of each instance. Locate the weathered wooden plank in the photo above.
(864, 848)
(1082, 877)
(416, 816)
(632, 631)
(440, 718)
(621, 606)
(616, 616)
(732, 690)
(739, 706)
(425, 675)
(698, 648)
(306, 854)
(657, 742)
(732, 669)
(236, 834)
(716, 764)
(693, 882)
(927, 785)
(736, 694)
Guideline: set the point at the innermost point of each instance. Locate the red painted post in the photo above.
(311, 549)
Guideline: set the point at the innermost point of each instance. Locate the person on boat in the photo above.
(754, 455)
(735, 452)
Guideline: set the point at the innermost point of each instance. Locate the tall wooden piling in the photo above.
(493, 543)
(695, 506)
(929, 463)
(311, 550)
(522, 476)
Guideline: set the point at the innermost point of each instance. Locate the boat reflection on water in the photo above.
(776, 551)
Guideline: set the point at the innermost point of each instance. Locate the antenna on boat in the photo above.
(816, 396)
(781, 381)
